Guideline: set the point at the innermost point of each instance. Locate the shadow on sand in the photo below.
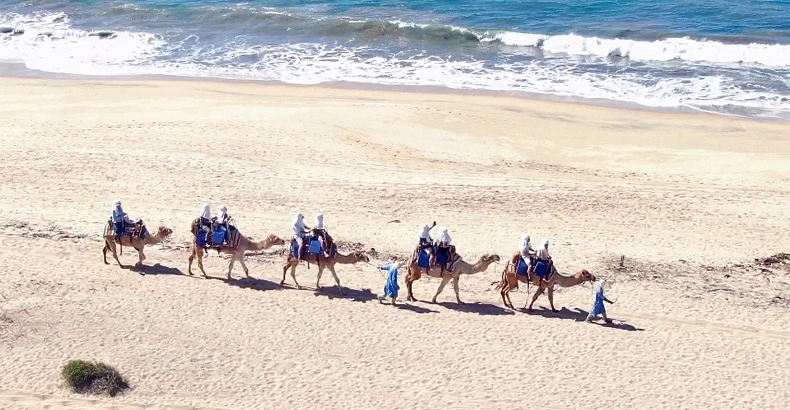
(155, 269)
(483, 309)
(249, 283)
(354, 295)
(412, 308)
(579, 315)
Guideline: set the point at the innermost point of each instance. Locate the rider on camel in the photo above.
(525, 251)
(444, 244)
(300, 230)
(542, 255)
(205, 218)
(425, 243)
(223, 221)
(320, 231)
(119, 221)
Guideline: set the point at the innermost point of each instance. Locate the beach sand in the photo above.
(690, 200)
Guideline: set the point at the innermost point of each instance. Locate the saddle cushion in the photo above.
(423, 259)
(314, 247)
(294, 248)
(200, 238)
(218, 236)
(442, 256)
(521, 267)
(542, 269)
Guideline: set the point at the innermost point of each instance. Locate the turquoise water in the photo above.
(710, 55)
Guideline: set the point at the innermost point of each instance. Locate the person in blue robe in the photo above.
(391, 287)
(598, 308)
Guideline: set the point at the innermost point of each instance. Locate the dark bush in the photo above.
(93, 378)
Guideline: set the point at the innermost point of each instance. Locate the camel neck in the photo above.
(567, 281)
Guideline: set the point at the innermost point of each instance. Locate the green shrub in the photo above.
(93, 378)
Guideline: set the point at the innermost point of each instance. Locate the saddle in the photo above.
(217, 235)
(313, 249)
(430, 256)
(131, 230)
(523, 267)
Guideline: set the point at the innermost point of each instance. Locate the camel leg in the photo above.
(104, 253)
(285, 271)
(551, 298)
(293, 276)
(411, 277)
(244, 266)
(111, 245)
(455, 288)
(337, 280)
(318, 276)
(505, 296)
(538, 291)
(230, 264)
(441, 287)
(191, 258)
(199, 253)
(140, 255)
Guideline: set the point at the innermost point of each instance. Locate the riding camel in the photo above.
(323, 262)
(461, 268)
(134, 242)
(236, 254)
(510, 281)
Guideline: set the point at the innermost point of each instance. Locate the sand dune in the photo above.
(690, 200)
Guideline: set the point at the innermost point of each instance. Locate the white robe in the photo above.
(543, 252)
(444, 239)
(299, 227)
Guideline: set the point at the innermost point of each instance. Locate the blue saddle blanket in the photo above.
(423, 258)
(521, 267)
(218, 237)
(542, 269)
(314, 247)
(200, 238)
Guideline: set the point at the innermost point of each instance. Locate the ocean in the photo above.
(728, 57)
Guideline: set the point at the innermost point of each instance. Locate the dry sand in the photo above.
(690, 200)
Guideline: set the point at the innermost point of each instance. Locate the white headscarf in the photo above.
(223, 210)
(206, 211)
(298, 224)
(426, 233)
(118, 203)
(319, 221)
(543, 252)
(525, 244)
(444, 238)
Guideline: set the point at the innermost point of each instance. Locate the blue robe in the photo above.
(391, 287)
(598, 307)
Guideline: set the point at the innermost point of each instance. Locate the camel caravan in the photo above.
(315, 246)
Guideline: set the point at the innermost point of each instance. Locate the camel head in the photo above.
(360, 256)
(489, 258)
(163, 232)
(275, 240)
(586, 276)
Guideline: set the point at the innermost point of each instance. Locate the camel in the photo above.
(134, 242)
(324, 262)
(510, 281)
(461, 268)
(236, 254)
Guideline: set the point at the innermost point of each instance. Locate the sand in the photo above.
(690, 200)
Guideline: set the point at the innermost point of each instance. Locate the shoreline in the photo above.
(19, 70)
